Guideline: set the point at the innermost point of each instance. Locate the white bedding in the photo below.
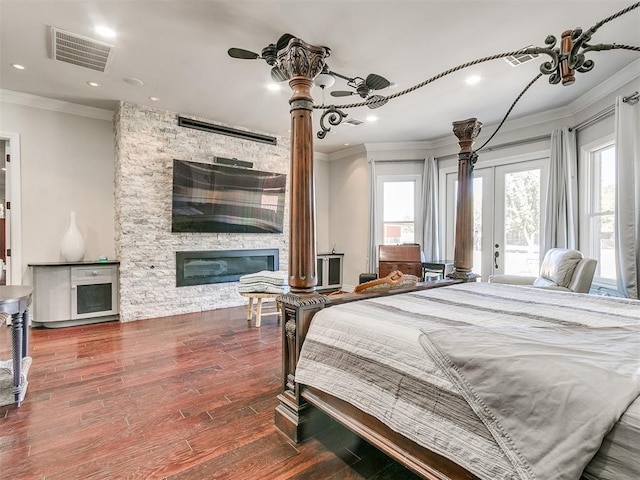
(388, 374)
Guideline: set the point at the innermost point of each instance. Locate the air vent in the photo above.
(354, 122)
(77, 50)
(222, 130)
(515, 60)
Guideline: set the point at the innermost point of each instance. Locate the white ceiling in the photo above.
(179, 50)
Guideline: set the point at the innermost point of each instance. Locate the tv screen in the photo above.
(217, 198)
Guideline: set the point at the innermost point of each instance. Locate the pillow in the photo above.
(558, 266)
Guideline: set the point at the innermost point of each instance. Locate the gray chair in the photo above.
(561, 269)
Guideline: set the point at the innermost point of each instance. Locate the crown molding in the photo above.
(323, 157)
(28, 100)
(348, 152)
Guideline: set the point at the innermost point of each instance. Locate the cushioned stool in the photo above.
(256, 312)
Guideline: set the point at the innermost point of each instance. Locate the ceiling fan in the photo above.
(269, 54)
(362, 86)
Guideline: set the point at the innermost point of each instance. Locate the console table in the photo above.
(14, 301)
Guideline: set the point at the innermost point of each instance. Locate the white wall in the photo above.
(349, 213)
(321, 176)
(66, 164)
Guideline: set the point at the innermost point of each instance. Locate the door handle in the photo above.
(495, 258)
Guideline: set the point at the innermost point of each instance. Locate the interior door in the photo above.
(508, 200)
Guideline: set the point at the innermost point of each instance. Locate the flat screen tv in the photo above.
(219, 198)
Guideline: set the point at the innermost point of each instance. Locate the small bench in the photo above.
(257, 310)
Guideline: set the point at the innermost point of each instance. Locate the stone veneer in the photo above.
(147, 141)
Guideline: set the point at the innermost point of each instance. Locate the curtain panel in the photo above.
(627, 222)
(560, 225)
(430, 225)
(372, 260)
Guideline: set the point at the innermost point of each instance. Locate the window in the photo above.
(601, 212)
(398, 211)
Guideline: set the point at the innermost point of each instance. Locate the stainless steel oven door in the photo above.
(94, 291)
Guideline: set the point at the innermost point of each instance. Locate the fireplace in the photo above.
(218, 266)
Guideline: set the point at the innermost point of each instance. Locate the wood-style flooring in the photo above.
(182, 397)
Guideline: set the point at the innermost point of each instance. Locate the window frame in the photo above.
(587, 200)
(417, 210)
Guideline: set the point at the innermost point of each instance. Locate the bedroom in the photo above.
(352, 190)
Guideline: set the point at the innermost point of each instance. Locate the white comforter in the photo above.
(372, 354)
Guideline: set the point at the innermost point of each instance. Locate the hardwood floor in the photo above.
(182, 397)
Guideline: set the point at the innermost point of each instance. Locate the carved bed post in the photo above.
(466, 131)
(301, 63)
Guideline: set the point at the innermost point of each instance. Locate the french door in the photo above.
(508, 205)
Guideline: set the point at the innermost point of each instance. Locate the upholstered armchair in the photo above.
(561, 269)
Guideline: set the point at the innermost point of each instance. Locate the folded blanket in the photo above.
(265, 276)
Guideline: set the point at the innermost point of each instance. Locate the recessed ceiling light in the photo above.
(372, 118)
(134, 81)
(93, 84)
(154, 99)
(274, 87)
(473, 79)
(104, 31)
(17, 66)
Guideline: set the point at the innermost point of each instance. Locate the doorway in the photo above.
(12, 216)
(508, 202)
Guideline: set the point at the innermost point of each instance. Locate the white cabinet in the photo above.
(329, 268)
(74, 293)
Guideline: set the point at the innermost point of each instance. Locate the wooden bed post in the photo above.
(466, 131)
(301, 63)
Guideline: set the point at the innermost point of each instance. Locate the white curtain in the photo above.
(560, 226)
(372, 261)
(627, 223)
(430, 232)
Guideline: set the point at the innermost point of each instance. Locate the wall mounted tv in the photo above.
(218, 198)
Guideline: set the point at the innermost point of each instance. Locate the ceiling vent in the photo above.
(519, 59)
(354, 122)
(78, 50)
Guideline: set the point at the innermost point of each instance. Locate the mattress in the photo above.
(370, 354)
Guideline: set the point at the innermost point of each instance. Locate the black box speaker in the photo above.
(234, 162)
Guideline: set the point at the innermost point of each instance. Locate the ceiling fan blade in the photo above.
(341, 93)
(278, 75)
(283, 41)
(376, 82)
(242, 53)
(376, 101)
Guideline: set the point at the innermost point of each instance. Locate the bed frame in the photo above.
(296, 414)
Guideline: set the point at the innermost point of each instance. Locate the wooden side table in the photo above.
(15, 300)
(256, 312)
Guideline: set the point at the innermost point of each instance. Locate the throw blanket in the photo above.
(547, 395)
(264, 281)
(372, 354)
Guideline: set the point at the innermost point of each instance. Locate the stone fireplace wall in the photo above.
(147, 141)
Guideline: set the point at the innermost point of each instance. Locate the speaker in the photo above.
(233, 162)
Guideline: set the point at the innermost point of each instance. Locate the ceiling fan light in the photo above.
(325, 80)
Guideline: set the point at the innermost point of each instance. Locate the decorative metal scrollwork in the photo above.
(333, 116)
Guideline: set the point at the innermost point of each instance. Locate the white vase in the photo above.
(72, 247)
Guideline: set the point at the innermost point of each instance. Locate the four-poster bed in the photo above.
(307, 380)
